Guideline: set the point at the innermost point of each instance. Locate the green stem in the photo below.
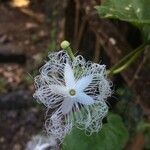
(125, 62)
(143, 126)
(66, 46)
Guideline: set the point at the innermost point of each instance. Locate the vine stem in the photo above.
(125, 62)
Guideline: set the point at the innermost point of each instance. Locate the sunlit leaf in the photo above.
(20, 3)
(112, 136)
(133, 11)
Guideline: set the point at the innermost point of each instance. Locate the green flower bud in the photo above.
(65, 44)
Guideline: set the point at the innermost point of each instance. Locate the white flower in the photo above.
(40, 142)
(73, 90)
(76, 89)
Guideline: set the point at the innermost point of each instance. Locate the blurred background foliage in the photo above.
(113, 32)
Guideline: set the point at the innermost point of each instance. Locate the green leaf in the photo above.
(113, 135)
(133, 11)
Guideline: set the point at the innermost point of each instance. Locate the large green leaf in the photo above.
(112, 136)
(134, 11)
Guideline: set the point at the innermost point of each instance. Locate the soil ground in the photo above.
(24, 38)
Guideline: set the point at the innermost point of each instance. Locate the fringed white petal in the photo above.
(56, 126)
(84, 99)
(66, 106)
(82, 83)
(41, 142)
(105, 89)
(58, 89)
(69, 76)
(47, 97)
(90, 117)
(87, 108)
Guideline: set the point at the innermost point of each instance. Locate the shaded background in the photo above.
(31, 29)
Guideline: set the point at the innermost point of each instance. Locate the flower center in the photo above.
(72, 92)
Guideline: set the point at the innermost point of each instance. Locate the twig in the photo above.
(80, 33)
(139, 68)
(97, 50)
(76, 19)
(38, 17)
